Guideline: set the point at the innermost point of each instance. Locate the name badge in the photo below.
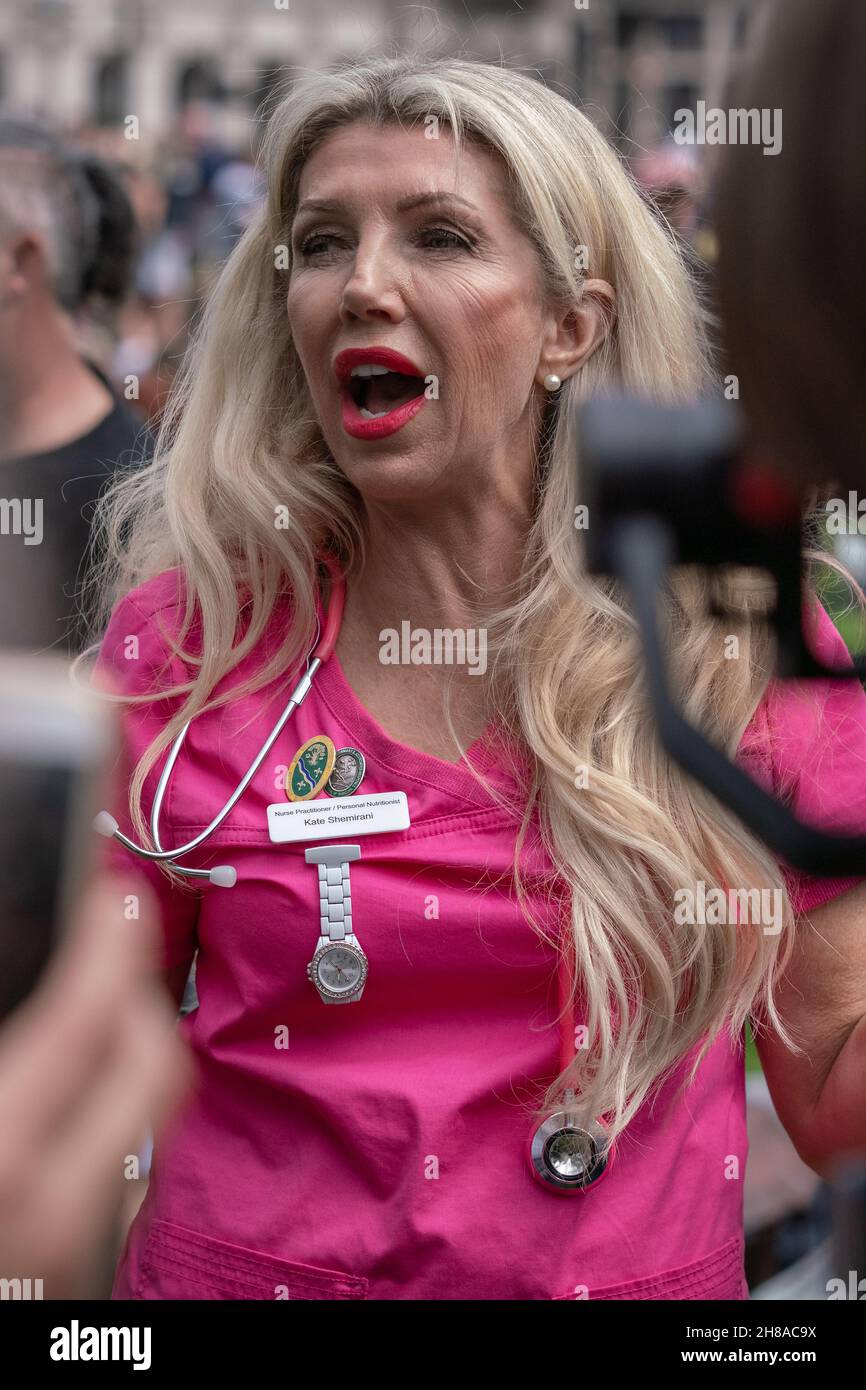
(374, 814)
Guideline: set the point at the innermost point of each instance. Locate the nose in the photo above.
(371, 291)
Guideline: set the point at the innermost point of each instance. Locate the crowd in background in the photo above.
(192, 196)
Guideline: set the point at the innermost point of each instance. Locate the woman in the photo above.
(475, 223)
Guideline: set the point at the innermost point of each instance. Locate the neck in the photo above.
(49, 395)
(445, 570)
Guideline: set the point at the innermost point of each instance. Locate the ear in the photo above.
(22, 260)
(574, 333)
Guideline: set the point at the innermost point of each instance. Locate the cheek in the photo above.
(311, 302)
(493, 334)
(306, 309)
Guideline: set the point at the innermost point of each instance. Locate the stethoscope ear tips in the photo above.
(224, 876)
(105, 824)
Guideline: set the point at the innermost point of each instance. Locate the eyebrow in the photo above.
(414, 200)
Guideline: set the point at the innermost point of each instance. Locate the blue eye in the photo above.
(457, 242)
(307, 248)
(448, 241)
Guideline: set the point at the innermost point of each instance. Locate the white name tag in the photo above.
(330, 817)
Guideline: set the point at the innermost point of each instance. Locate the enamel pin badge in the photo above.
(348, 773)
(310, 768)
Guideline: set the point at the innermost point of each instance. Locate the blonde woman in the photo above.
(466, 238)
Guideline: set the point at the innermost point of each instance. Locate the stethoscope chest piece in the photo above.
(567, 1153)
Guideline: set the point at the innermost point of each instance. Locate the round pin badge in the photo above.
(310, 768)
(348, 773)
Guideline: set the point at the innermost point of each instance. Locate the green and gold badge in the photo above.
(310, 768)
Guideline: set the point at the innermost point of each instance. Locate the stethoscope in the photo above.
(224, 876)
(565, 1153)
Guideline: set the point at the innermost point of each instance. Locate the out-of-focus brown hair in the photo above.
(792, 243)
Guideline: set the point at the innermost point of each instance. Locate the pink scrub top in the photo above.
(376, 1150)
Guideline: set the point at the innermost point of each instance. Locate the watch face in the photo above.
(340, 969)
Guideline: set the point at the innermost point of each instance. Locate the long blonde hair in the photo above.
(240, 438)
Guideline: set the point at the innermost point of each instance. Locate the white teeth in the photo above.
(369, 369)
(368, 415)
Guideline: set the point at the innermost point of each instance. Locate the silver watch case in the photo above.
(332, 996)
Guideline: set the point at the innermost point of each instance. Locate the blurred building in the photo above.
(84, 62)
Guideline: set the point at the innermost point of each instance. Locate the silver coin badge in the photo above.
(348, 772)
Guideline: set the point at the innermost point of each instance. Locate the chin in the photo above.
(383, 477)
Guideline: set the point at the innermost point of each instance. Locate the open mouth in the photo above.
(377, 391)
(381, 391)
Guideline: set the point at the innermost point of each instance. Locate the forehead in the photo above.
(380, 164)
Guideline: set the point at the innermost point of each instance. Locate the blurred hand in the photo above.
(86, 1064)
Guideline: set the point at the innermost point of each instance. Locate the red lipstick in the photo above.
(356, 424)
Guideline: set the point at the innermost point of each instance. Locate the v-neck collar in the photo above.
(490, 754)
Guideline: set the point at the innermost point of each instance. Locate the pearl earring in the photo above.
(552, 381)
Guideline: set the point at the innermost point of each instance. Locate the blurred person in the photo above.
(237, 190)
(674, 180)
(194, 154)
(380, 1151)
(105, 281)
(87, 1062)
(154, 320)
(791, 233)
(66, 244)
(672, 177)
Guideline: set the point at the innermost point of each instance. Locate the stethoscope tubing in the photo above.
(223, 875)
